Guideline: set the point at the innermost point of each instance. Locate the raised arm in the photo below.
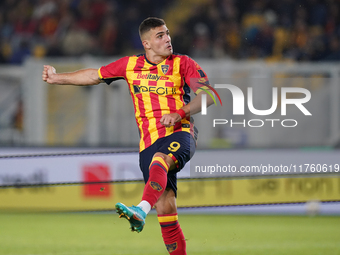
(195, 105)
(84, 77)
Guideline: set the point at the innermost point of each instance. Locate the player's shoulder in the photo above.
(185, 59)
(182, 56)
(138, 55)
(131, 57)
(126, 59)
(123, 61)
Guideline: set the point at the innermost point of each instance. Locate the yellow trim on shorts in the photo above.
(173, 157)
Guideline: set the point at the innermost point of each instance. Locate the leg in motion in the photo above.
(154, 188)
(172, 233)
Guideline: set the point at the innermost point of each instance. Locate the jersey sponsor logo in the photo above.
(171, 247)
(154, 77)
(137, 89)
(156, 186)
(165, 68)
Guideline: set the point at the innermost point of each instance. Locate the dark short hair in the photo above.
(150, 23)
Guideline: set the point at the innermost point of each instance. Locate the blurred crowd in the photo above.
(298, 30)
(71, 27)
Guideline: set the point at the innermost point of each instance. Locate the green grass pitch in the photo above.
(106, 234)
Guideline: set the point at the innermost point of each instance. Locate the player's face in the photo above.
(159, 41)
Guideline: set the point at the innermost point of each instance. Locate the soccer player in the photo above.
(159, 83)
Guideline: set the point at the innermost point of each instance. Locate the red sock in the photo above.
(158, 178)
(172, 234)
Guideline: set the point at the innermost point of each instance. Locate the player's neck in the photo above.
(153, 58)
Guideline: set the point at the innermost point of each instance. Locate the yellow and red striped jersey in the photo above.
(156, 89)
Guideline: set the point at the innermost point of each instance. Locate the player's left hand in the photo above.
(171, 119)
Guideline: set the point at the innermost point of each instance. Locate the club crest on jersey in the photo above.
(165, 68)
(171, 247)
(156, 186)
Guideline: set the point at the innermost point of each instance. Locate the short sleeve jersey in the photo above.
(156, 89)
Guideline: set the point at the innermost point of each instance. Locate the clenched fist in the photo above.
(169, 120)
(48, 73)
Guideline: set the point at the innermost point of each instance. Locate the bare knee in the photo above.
(166, 204)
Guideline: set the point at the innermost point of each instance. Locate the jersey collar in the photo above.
(154, 64)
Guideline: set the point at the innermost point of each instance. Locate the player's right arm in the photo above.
(84, 77)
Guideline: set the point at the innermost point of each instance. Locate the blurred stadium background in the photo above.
(55, 140)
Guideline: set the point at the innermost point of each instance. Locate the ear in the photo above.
(146, 44)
